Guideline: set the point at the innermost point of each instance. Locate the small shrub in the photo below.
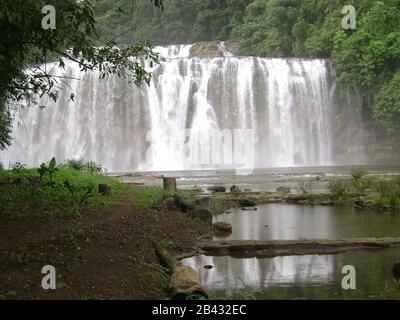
(340, 190)
(362, 184)
(358, 173)
(78, 196)
(235, 189)
(18, 167)
(51, 168)
(382, 202)
(85, 166)
(216, 206)
(305, 186)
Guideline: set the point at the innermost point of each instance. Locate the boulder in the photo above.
(217, 189)
(359, 204)
(222, 226)
(283, 190)
(201, 213)
(247, 203)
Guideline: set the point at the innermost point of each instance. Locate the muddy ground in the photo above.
(105, 255)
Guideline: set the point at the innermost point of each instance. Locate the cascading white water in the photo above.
(290, 104)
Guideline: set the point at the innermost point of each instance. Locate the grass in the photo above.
(20, 254)
(216, 206)
(22, 191)
(147, 197)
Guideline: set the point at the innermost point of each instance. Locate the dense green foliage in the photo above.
(182, 21)
(26, 49)
(373, 193)
(367, 58)
(85, 166)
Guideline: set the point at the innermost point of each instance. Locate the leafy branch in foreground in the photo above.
(26, 49)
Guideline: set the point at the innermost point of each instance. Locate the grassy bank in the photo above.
(101, 247)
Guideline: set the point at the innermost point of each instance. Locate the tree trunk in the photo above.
(185, 281)
(169, 184)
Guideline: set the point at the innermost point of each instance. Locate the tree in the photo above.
(26, 48)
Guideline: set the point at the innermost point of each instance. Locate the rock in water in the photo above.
(217, 189)
(247, 203)
(185, 282)
(222, 226)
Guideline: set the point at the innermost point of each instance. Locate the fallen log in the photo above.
(273, 248)
(185, 281)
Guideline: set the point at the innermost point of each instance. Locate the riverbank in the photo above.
(104, 252)
(100, 239)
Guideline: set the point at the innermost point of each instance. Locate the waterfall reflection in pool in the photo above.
(310, 277)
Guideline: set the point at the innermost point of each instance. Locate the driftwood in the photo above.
(169, 183)
(185, 281)
(272, 248)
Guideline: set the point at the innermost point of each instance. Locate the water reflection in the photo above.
(311, 277)
(280, 221)
(229, 273)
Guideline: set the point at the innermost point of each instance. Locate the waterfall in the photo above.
(291, 105)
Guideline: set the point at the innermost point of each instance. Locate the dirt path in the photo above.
(101, 256)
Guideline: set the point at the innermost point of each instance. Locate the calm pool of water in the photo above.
(290, 222)
(309, 276)
(299, 277)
